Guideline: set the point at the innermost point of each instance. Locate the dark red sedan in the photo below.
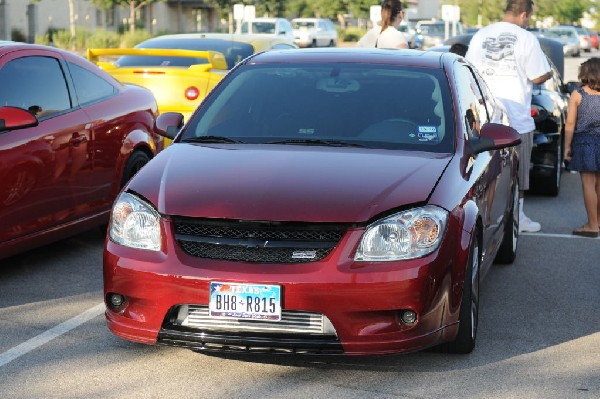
(319, 202)
(70, 138)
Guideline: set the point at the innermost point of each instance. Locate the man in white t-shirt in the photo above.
(510, 60)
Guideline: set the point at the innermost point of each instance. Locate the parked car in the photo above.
(594, 39)
(314, 32)
(361, 222)
(414, 39)
(585, 41)
(70, 137)
(549, 104)
(278, 27)
(181, 68)
(433, 33)
(568, 37)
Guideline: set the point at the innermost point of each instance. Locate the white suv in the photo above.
(314, 32)
(279, 27)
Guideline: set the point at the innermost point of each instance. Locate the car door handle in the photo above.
(77, 139)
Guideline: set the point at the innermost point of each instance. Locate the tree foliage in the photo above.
(132, 5)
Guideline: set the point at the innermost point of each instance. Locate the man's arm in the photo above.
(542, 78)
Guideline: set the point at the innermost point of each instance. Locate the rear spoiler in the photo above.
(216, 60)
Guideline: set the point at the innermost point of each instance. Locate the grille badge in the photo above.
(304, 254)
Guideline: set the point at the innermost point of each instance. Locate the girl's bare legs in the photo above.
(598, 197)
(591, 191)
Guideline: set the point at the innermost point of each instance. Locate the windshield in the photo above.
(303, 24)
(234, 52)
(560, 33)
(258, 27)
(432, 29)
(371, 106)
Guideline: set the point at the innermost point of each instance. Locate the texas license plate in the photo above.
(245, 301)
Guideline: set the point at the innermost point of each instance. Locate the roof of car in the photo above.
(416, 58)
(257, 40)
(12, 45)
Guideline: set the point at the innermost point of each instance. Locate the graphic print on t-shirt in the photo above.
(500, 55)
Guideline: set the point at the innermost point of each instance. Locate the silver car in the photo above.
(585, 41)
(314, 32)
(567, 36)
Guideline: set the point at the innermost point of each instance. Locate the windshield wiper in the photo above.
(330, 143)
(211, 139)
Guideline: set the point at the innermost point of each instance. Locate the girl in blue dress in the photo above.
(582, 142)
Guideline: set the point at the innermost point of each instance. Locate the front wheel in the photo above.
(469, 308)
(136, 161)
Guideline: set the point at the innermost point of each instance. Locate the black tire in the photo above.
(551, 185)
(469, 308)
(508, 249)
(136, 161)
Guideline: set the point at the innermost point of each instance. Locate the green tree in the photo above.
(132, 5)
(571, 11)
(481, 12)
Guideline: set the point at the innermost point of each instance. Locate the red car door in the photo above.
(39, 164)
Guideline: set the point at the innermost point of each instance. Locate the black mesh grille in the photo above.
(260, 242)
(257, 232)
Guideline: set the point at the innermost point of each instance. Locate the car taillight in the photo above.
(192, 93)
(538, 113)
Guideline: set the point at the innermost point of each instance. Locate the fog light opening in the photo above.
(408, 317)
(115, 301)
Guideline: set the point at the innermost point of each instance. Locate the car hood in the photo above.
(285, 182)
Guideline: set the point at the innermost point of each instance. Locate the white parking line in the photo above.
(97, 310)
(50, 334)
(555, 235)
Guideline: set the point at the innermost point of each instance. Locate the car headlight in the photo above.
(405, 235)
(134, 223)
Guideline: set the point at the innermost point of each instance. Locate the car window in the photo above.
(35, 83)
(234, 52)
(89, 86)
(566, 33)
(371, 106)
(286, 26)
(258, 27)
(472, 100)
(432, 29)
(303, 24)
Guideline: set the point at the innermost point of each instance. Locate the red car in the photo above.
(70, 138)
(319, 202)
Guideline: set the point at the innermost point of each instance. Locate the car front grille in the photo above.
(298, 332)
(259, 242)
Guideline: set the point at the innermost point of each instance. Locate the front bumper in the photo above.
(362, 301)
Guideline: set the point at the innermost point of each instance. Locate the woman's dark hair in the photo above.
(389, 11)
(589, 73)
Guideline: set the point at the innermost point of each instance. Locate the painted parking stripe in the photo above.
(555, 235)
(97, 310)
(50, 334)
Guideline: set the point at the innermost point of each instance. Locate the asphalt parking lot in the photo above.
(539, 333)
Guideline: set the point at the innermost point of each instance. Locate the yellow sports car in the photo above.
(181, 69)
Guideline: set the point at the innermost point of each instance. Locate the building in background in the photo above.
(26, 20)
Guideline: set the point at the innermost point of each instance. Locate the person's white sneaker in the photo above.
(527, 225)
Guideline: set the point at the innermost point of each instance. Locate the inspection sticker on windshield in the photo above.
(428, 133)
(245, 301)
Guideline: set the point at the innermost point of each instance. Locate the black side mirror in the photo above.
(168, 124)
